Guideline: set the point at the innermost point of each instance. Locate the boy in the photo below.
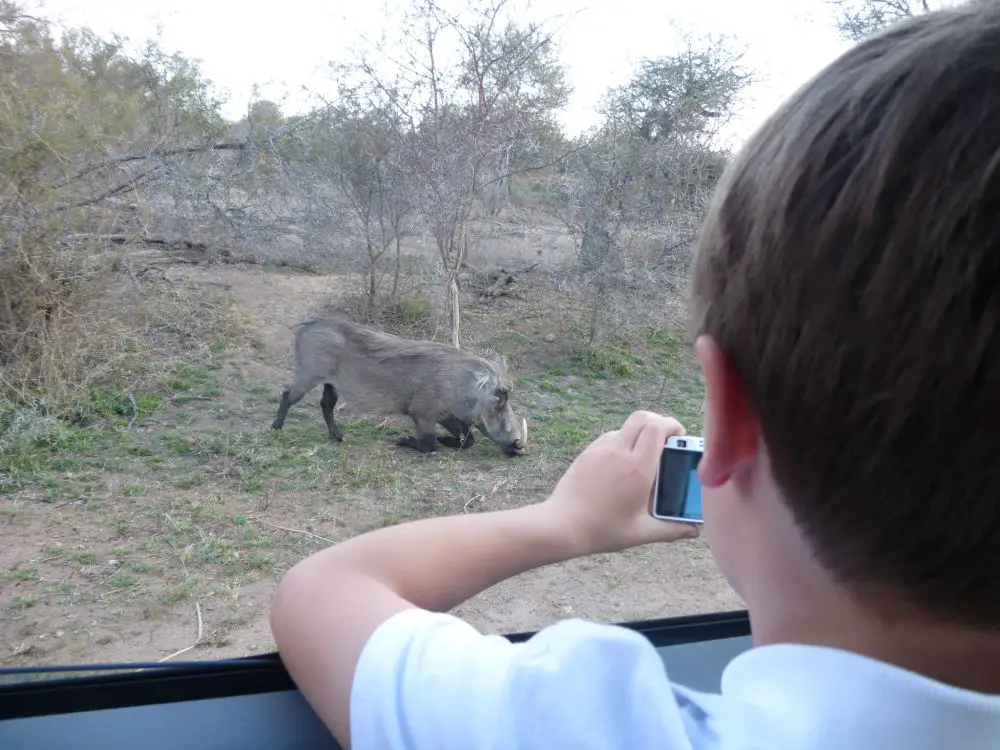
(846, 302)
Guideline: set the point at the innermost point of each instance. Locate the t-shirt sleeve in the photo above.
(431, 680)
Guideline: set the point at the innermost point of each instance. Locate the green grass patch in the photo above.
(23, 575)
(52, 446)
(123, 408)
(193, 382)
(18, 605)
(606, 363)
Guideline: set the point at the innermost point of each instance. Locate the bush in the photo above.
(81, 123)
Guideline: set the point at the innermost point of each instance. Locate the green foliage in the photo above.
(68, 106)
(121, 407)
(607, 362)
(653, 156)
(264, 116)
(413, 313)
(405, 314)
(683, 95)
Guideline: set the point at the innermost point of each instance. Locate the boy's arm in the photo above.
(328, 606)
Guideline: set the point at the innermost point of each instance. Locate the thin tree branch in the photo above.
(158, 153)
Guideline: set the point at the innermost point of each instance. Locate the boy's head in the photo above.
(849, 272)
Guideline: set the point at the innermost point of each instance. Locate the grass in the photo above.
(175, 490)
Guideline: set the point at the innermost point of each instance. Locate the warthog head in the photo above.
(494, 416)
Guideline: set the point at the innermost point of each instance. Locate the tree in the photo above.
(518, 85)
(857, 19)
(86, 131)
(649, 167)
(356, 149)
(472, 90)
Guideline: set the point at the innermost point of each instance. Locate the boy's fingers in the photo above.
(669, 531)
(634, 426)
(651, 439)
(685, 531)
(605, 437)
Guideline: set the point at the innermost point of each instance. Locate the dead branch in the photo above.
(211, 282)
(197, 608)
(560, 160)
(504, 273)
(503, 284)
(139, 179)
(669, 249)
(293, 531)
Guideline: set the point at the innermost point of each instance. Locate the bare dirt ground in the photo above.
(172, 529)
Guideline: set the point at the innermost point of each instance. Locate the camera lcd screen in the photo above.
(678, 493)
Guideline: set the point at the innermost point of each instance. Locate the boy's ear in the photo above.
(730, 424)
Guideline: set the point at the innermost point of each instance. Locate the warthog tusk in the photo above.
(524, 432)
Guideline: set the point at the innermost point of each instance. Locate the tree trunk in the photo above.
(453, 307)
(453, 259)
(595, 327)
(595, 245)
(395, 274)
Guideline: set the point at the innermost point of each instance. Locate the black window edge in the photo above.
(266, 674)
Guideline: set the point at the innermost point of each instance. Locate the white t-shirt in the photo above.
(431, 681)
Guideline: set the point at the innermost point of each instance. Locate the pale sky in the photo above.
(286, 44)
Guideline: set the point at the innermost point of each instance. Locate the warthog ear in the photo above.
(503, 394)
(500, 361)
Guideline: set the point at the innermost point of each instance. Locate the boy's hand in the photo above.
(605, 492)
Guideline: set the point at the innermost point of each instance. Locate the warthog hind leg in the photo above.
(279, 420)
(290, 397)
(461, 434)
(327, 403)
(425, 440)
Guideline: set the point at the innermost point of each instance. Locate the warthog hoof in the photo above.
(408, 441)
(451, 441)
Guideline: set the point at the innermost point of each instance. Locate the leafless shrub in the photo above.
(465, 125)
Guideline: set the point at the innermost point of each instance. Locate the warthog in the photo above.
(378, 373)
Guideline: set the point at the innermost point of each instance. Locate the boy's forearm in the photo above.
(438, 563)
(328, 605)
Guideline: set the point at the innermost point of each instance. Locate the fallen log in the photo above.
(128, 239)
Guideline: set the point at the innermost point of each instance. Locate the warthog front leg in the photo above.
(426, 437)
(327, 403)
(461, 434)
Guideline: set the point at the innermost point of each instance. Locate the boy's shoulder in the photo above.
(431, 680)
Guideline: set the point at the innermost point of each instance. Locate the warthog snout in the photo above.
(519, 445)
